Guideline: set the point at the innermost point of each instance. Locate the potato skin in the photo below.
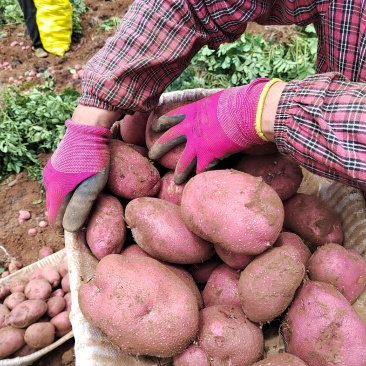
(233, 209)
(38, 289)
(132, 128)
(287, 238)
(169, 190)
(268, 284)
(141, 299)
(26, 313)
(40, 335)
(158, 228)
(343, 268)
(4, 311)
(277, 170)
(222, 287)
(309, 217)
(228, 337)
(131, 175)
(106, 228)
(281, 359)
(193, 355)
(322, 328)
(11, 339)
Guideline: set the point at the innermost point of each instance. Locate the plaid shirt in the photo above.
(157, 40)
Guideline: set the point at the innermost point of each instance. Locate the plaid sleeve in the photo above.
(320, 122)
(158, 38)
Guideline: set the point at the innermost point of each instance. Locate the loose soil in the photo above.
(19, 192)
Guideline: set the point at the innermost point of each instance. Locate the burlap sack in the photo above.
(91, 346)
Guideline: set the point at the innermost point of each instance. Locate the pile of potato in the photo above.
(34, 310)
(196, 272)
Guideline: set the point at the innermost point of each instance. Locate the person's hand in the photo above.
(75, 175)
(213, 128)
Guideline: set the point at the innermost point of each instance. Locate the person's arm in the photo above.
(320, 122)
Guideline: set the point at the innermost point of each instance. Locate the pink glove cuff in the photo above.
(242, 103)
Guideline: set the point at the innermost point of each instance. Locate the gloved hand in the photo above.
(213, 128)
(75, 175)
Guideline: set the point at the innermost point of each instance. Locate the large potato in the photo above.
(313, 220)
(228, 337)
(233, 209)
(131, 175)
(158, 228)
(322, 328)
(268, 284)
(26, 313)
(141, 305)
(106, 229)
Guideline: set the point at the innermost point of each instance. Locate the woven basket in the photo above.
(92, 347)
(54, 260)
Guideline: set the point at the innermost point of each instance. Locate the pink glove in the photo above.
(213, 127)
(75, 174)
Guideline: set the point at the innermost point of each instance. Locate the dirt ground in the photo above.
(18, 192)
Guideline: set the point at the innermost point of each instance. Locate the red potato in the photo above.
(38, 288)
(11, 339)
(65, 283)
(23, 351)
(281, 359)
(131, 175)
(202, 271)
(193, 355)
(313, 220)
(287, 238)
(14, 266)
(222, 287)
(14, 299)
(343, 268)
(36, 274)
(134, 250)
(62, 323)
(45, 252)
(268, 284)
(322, 328)
(158, 228)
(232, 209)
(106, 228)
(68, 301)
(51, 275)
(132, 128)
(228, 337)
(277, 170)
(233, 260)
(55, 305)
(26, 313)
(4, 291)
(169, 190)
(63, 268)
(186, 277)
(40, 335)
(58, 292)
(140, 149)
(17, 284)
(142, 299)
(4, 312)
